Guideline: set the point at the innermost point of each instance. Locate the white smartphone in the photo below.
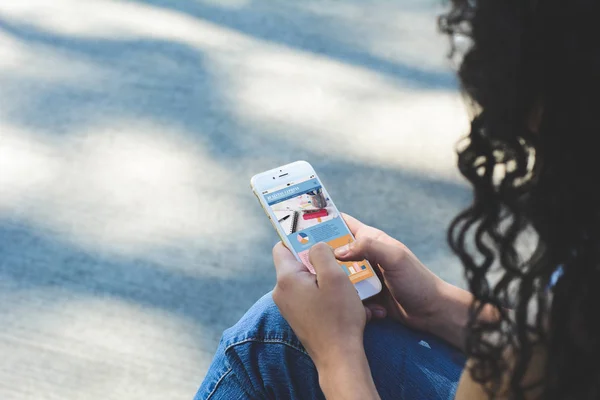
(303, 214)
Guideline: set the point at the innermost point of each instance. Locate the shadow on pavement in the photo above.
(170, 84)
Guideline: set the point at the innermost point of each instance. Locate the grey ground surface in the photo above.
(129, 238)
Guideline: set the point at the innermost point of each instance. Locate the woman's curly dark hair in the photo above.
(532, 72)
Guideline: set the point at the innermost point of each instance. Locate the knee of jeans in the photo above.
(262, 322)
(242, 349)
(263, 353)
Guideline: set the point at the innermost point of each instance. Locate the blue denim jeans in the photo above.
(261, 358)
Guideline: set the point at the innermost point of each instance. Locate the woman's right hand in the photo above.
(412, 294)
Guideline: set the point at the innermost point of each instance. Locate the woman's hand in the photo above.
(412, 294)
(328, 317)
(323, 309)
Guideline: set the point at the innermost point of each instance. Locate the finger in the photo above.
(377, 252)
(386, 301)
(353, 224)
(377, 311)
(361, 230)
(369, 313)
(326, 266)
(285, 262)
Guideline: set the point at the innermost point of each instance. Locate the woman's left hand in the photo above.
(324, 310)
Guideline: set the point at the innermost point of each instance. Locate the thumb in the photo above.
(327, 268)
(389, 257)
(285, 262)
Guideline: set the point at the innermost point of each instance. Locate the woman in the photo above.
(532, 73)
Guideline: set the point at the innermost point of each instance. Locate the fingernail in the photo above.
(379, 312)
(340, 251)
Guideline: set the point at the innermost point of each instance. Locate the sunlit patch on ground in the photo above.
(129, 238)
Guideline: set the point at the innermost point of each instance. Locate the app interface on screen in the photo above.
(307, 216)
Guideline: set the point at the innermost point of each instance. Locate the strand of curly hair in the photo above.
(528, 59)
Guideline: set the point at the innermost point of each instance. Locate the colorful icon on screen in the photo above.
(302, 238)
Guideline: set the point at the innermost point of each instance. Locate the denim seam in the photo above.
(279, 341)
(218, 382)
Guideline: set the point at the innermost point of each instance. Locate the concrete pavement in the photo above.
(129, 238)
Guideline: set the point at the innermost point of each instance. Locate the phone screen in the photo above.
(307, 216)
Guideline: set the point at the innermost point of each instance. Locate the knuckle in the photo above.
(276, 247)
(364, 245)
(284, 282)
(277, 296)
